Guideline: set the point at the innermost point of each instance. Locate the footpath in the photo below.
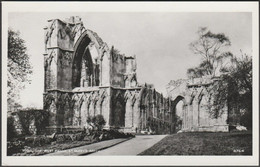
(131, 147)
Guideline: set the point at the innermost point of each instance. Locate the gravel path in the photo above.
(131, 147)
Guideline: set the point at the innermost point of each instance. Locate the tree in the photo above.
(18, 67)
(209, 46)
(234, 89)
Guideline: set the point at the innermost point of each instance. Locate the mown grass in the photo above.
(235, 143)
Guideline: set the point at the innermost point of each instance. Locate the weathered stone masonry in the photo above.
(84, 77)
(196, 95)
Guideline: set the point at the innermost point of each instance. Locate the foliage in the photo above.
(97, 122)
(114, 51)
(25, 119)
(209, 46)
(235, 89)
(18, 67)
(178, 123)
(14, 147)
(152, 124)
(11, 133)
(42, 144)
(40, 118)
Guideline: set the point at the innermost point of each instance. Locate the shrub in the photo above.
(246, 120)
(97, 122)
(14, 147)
(41, 119)
(38, 141)
(25, 119)
(41, 140)
(60, 138)
(79, 136)
(29, 140)
(27, 116)
(11, 133)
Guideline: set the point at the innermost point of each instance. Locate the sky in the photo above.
(159, 40)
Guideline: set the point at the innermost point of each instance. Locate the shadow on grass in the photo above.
(203, 143)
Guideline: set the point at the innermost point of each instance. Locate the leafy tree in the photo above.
(210, 47)
(234, 89)
(18, 67)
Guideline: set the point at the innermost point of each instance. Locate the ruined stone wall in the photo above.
(130, 72)
(105, 70)
(156, 112)
(64, 72)
(59, 104)
(83, 78)
(117, 70)
(91, 102)
(196, 95)
(58, 56)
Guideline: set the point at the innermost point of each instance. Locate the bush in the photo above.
(246, 120)
(27, 116)
(79, 136)
(97, 122)
(60, 138)
(25, 119)
(38, 141)
(14, 147)
(29, 140)
(41, 140)
(41, 119)
(11, 133)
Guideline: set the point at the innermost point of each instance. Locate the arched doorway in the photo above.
(181, 115)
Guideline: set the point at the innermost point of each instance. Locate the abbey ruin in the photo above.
(84, 77)
(196, 95)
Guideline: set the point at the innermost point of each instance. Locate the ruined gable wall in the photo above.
(197, 95)
(117, 70)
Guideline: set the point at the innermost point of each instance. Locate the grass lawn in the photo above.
(199, 143)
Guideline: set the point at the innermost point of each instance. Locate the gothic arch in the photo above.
(203, 110)
(82, 52)
(84, 109)
(118, 116)
(102, 102)
(76, 98)
(184, 112)
(130, 100)
(48, 100)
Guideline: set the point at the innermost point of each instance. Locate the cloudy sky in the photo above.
(159, 40)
